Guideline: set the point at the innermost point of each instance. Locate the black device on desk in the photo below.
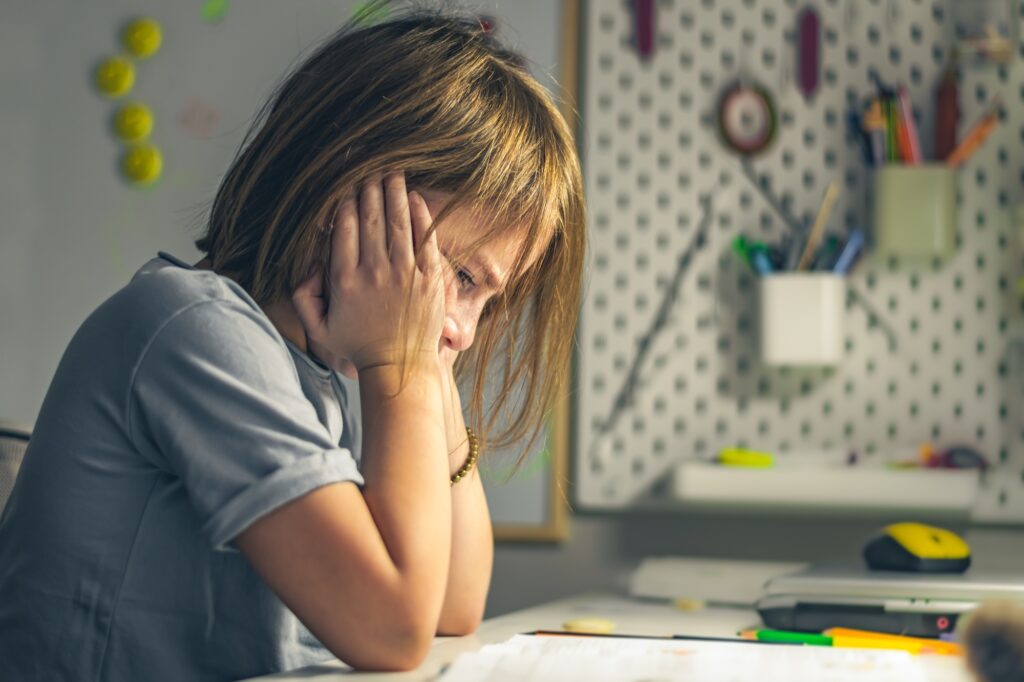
(919, 548)
(915, 604)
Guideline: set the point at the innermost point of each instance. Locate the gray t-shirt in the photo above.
(177, 417)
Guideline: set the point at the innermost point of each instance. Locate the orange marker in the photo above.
(903, 138)
(977, 135)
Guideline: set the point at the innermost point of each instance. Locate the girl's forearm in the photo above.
(406, 474)
(472, 553)
(469, 570)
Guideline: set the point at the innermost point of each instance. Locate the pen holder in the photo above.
(802, 318)
(914, 212)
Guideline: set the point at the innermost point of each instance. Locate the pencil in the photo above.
(819, 225)
(927, 645)
(975, 137)
(909, 127)
(891, 131)
(874, 127)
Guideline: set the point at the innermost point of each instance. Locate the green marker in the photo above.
(786, 637)
(741, 248)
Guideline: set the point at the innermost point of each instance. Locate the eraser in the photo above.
(593, 626)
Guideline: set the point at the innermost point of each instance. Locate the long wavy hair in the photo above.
(432, 94)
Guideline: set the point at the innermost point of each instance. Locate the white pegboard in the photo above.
(926, 353)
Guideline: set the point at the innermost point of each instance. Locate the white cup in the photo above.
(802, 318)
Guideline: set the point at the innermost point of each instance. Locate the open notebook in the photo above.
(531, 658)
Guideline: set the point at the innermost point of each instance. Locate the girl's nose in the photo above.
(456, 335)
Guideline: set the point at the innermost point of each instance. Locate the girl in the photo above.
(194, 503)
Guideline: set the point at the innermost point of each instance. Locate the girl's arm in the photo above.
(472, 554)
(365, 570)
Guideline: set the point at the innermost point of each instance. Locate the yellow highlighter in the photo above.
(742, 457)
(922, 644)
(876, 643)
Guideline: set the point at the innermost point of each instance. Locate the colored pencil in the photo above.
(819, 225)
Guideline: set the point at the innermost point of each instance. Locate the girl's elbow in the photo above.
(458, 629)
(461, 622)
(395, 655)
(401, 646)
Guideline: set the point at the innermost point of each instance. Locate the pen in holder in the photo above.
(914, 212)
(802, 318)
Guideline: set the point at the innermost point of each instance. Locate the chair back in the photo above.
(13, 443)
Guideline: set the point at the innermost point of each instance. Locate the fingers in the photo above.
(372, 239)
(345, 240)
(396, 201)
(428, 259)
(309, 303)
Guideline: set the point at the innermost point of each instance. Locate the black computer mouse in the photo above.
(917, 547)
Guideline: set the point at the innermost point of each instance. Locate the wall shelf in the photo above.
(864, 488)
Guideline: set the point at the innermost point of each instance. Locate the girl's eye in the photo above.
(464, 276)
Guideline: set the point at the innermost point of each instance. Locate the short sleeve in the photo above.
(215, 400)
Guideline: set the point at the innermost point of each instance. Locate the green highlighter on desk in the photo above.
(922, 591)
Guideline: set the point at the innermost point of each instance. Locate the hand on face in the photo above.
(469, 280)
(367, 316)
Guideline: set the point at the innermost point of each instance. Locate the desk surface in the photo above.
(629, 615)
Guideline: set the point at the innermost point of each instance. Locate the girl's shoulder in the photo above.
(169, 282)
(165, 290)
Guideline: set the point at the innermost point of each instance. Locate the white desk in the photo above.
(630, 617)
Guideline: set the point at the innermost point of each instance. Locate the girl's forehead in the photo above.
(464, 225)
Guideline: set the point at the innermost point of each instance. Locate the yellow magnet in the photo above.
(133, 122)
(115, 76)
(741, 457)
(592, 626)
(688, 604)
(142, 164)
(142, 37)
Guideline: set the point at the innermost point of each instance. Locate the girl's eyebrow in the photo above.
(491, 274)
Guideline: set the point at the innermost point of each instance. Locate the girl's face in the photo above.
(471, 283)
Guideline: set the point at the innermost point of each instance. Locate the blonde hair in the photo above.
(431, 94)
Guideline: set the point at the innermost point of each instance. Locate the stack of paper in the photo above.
(529, 658)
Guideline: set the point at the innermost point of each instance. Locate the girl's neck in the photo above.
(282, 313)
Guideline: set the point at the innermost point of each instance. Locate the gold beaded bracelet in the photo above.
(474, 452)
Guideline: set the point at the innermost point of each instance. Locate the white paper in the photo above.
(527, 658)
